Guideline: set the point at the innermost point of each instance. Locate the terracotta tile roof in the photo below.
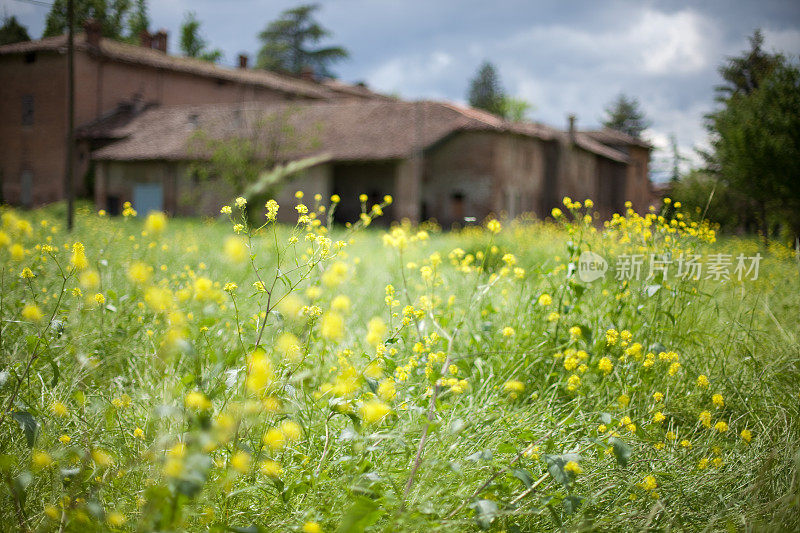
(129, 53)
(353, 89)
(611, 137)
(590, 145)
(109, 125)
(346, 131)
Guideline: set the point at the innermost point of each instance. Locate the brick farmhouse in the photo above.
(139, 112)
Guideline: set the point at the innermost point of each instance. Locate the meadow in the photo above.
(218, 375)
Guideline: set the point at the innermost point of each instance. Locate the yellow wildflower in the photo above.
(374, 411)
(271, 469)
(155, 222)
(32, 312)
(573, 468)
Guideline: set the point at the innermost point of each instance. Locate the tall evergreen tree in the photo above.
(485, 91)
(288, 44)
(193, 44)
(755, 139)
(676, 159)
(743, 74)
(13, 32)
(112, 15)
(624, 114)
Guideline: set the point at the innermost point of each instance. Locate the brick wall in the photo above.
(638, 182)
(458, 178)
(36, 152)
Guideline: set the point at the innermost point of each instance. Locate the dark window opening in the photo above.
(112, 205)
(457, 206)
(30, 57)
(374, 198)
(27, 110)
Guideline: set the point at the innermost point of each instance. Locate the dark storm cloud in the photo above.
(561, 56)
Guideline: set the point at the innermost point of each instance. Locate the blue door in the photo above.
(148, 197)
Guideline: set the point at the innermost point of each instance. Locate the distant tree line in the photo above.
(289, 44)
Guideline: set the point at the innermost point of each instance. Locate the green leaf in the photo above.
(657, 348)
(507, 447)
(30, 342)
(56, 373)
(621, 451)
(571, 504)
(20, 485)
(362, 513)
(555, 465)
(355, 419)
(457, 426)
(523, 476)
(578, 289)
(28, 425)
(485, 513)
(455, 466)
(485, 455)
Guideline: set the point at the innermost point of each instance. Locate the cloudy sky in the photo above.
(566, 56)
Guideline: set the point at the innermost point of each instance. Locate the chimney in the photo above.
(145, 39)
(242, 60)
(571, 117)
(93, 30)
(307, 73)
(160, 41)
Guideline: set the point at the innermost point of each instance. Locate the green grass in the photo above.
(346, 472)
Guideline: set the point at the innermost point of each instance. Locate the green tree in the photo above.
(288, 44)
(624, 114)
(13, 32)
(755, 140)
(706, 196)
(676, 158)
(485, 91)
(744, 74)
(138, 21)
(193, 44)
(515, 109)
(112, 15)
(242, 159)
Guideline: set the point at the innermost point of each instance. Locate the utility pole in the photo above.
(70, 113)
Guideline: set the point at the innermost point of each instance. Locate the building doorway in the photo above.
(26, 188)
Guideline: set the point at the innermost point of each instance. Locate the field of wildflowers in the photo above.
(184, 375)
